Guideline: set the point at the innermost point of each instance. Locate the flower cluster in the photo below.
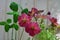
(33, 28)
(24, 20)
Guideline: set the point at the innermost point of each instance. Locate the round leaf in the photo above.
(9, 20)
(25, 11)
(14, 6)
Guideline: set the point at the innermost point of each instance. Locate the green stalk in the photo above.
(32, 38)
(12, 35)
(15, 35)
(21, 34)
(7, 35)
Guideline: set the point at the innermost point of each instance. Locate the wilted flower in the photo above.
(32, 28)
(53, 20)
(23, 19)
(49, 13)
(32, 12)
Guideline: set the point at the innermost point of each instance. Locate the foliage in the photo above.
(37, 30)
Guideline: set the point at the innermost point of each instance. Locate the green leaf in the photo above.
(42, 26)
(25, 11)
(16, 27)
(2, 23)
(9, 20)
(15, 18)
(7, 28)
(14, 6)
(12, 25)
(10, 13)
(48, 34)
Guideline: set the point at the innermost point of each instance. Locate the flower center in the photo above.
(24, 20)
(32, 28)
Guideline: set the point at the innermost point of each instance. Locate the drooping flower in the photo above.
(32, 12)
(53, 21)
(32, 28)
(23, 19)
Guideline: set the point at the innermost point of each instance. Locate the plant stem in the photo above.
(8, 36)
(32, 38)
(12, 34)
(15, 35)
(21, 34)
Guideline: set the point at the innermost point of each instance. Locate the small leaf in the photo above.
(9, 20)
(14, 6)
(25, 11)
(48, 34)
(7, 27)
(16, 27)
(42, 26)
(15, 18)
(10, 13)
(2, 23)
(11, 26)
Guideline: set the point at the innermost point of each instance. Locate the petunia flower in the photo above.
(23, 19)
(32, 12)
(53, 21)
(32, 28)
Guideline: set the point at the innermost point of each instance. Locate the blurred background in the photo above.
(47, 5)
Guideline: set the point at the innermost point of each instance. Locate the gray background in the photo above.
(53, 6)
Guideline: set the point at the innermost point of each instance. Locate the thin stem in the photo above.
(12, 34)
(32, 38)
(21, 34)
(8, 36)
(15, 35)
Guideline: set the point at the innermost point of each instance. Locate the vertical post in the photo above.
(34, 3)
(47, 11)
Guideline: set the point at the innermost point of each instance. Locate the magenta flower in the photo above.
(23, 19)
(54, 21)
(33, 12)
(32, 28)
